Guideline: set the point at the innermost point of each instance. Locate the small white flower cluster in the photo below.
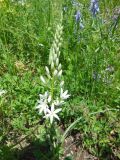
(53, 98)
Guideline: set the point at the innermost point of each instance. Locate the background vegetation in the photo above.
(90, 58)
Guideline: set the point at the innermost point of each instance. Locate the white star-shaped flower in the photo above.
(42, 106)
(52, 113)
(43, 96)
(64, 95)
(43, 102)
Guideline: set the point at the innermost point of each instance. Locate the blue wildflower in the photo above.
(78, 19)
(94, 7)
(78, 16)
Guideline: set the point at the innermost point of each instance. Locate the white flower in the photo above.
(52, 113)
(64, 95)
(44, 96)
(43, 103)
(42, 79)
(42, 106)
(2, 92)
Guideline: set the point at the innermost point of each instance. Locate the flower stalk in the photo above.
(50, 103)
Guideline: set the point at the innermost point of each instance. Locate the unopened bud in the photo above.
(52, 65)
(60, 73)
(57, 62)
(62, 83)
(47, 70)
(55, 72)
(55, 57)
(42, 79)
(59, 67)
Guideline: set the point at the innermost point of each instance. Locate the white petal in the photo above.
(47, 116)
(65, 92)
(52, 107)
(39, 106)
(49, 111)
(56, 116)
(67, 96)
(49, 99)
(57, 110)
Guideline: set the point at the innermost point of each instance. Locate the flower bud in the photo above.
(58, 53)
(59, 67)
(57, 62)
(60, 73)
(47, 70)
(42, 79)
(52, 65)
(57, 49)
(55, 57)
(62, 83)
(55, 72)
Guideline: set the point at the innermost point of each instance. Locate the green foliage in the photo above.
(90, 58)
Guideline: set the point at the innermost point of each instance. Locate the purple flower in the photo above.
(94, 7)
